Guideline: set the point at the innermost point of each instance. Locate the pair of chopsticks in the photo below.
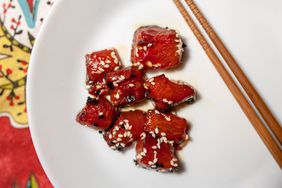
(253, 95)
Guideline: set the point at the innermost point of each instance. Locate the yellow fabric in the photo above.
(15, 82)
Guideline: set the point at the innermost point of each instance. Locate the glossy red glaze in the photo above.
(156, 48)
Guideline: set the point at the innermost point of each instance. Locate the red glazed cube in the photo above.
(167, 93)
(156, 48)
(126, 129)
(98, 64)
(126, 86)
(156, 154)
(167, 126)
(98, 113)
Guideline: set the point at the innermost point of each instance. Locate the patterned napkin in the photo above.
(20, 21)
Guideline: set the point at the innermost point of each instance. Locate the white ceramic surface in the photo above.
(225, 150)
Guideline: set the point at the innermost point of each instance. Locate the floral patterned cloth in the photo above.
(20, 21)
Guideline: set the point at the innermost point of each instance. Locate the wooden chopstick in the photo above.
(263, 132)
(239, 74)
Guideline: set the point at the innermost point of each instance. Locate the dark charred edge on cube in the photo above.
(170, 107)
(98, 92)
(135, 162)
(110, 85)
(92, 101)
(168, 110)
(133, 74)
(141, 42)
(157, 167)
(130, 99)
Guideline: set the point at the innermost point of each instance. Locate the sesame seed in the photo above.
(149, 63)
(153, 83)
(156, 130)
(117, 95)
(167, 118)
(151, 79)
(159, 144)
(116, 68)
(145, 150)
(119, 139)
(142, 154)
(110, 136)
(163, 134)
(102, 62)
(122, 144)
(157, 65)
(157, 112)
(131, 85)
(120, 135)
(155, 160)
(122, 77)
(186, 137)
(113, 147)
(140, 67)
(153, 134)
(145, 48)
(165, 100)
(143, 136)
(139, 156)
(113, 54)
(154, 147)
(108, 61)
(150, 163)
(136, 52)
(106, 66)
(150, 44)
(174, 159)
(88, 86)
(100, 113)
(100, 69)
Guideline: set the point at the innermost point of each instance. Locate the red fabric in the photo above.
(18, 158)
(30, 3)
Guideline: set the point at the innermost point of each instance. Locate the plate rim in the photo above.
(29, 88)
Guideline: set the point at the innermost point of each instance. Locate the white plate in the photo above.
(225, 150)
